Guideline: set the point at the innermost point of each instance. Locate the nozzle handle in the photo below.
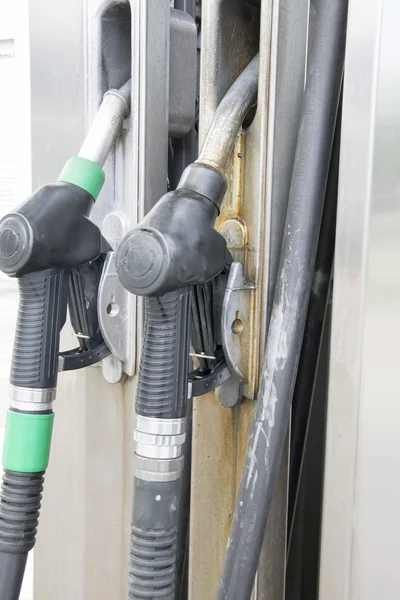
(42, 313)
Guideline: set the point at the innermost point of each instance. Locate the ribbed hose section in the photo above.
(152, 567)
(152, 564)
(21, 494)
(163, 374)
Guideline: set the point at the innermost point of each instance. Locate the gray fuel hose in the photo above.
(159, 435)
(227, 121)
(284, 340)
(303, 396)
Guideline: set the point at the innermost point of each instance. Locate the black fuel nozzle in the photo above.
(40, 243)
(53, 249)
(172, 249)
(175, 245)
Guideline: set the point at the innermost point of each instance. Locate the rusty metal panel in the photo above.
(230, 34)
(252, 220)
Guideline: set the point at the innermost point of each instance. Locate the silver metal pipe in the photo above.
(228, 118)
(107, 125)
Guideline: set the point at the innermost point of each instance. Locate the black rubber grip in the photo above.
(42, 312)
(163, 374)
(21, 494)
(152, 568)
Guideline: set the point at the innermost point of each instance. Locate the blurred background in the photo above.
(15, 176)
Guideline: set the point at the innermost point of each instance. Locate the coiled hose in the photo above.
(299, 246)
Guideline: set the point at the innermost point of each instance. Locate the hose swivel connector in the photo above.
(158, 448)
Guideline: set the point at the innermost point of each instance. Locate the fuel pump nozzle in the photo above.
(174, 248)
(41, 242)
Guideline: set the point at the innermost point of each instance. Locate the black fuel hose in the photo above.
(161, 404)
(284, 340)
(307, 371)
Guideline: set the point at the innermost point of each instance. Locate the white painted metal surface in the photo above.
(15, 177)
(361, 523)
(8, 177)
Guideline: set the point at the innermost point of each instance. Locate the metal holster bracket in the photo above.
(236, 327)
(115, 313)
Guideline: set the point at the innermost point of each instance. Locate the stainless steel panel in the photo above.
(361, 524)
(123, 39)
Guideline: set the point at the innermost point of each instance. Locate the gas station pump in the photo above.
(195, 250)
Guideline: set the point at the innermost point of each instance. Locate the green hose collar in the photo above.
(27, 442)
(84, 173)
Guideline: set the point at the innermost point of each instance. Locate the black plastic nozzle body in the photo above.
(40, 242)
(49, 230)
(173, 248)
(175, 245)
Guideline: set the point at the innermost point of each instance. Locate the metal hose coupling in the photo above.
(158, 448)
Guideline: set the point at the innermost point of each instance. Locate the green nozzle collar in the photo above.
(84, 173)
(27, 442)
